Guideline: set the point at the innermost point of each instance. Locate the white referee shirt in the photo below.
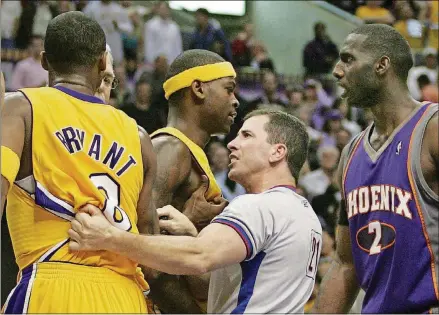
(283, 238)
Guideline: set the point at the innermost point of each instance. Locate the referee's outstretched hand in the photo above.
(201, 211)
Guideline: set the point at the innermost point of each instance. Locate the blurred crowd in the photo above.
(145, 40)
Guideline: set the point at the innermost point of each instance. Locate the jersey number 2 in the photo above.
(314, 255)
(112, 210)
(375, 227)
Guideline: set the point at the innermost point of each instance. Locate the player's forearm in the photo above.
(172, 295)
(338, 290)
(180, 255)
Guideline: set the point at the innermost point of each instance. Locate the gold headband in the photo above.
(204, 73)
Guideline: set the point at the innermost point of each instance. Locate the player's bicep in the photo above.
(173, 169)
(146, 211)
(432, 136)
(12, 138)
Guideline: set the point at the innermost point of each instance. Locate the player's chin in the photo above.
(226, 128)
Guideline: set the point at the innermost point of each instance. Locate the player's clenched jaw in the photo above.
(220, 105)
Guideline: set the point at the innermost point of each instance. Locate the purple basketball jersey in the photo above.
(393, 255)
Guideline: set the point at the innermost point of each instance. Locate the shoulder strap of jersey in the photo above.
(198, 155)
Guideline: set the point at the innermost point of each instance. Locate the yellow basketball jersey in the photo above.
(83, 151)
(199, 156)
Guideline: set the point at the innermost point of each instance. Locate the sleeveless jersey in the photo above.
(198, 156)
(201, 159)
(393, 220)
(83, 151)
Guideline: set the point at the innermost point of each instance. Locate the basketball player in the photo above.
(200, 89)
(270, 238)
(387, 237)
(62, 148)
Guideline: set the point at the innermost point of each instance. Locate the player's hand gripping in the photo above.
(199, 210)
(90, 230)
(176, 223)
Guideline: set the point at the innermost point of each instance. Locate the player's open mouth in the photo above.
(343, 91)
(232, 116)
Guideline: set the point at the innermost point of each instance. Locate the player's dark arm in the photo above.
(148, 222)
(339, 287)
(430, 148)
(170, 292)
(13, 133)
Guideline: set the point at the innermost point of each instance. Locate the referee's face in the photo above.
(250, 151)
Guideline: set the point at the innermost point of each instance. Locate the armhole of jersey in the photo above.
(32, 122)
(140, 130)
(415, 154)
(344, 160)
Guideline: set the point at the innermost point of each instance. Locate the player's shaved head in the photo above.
(187, 60)
(384, 40)
(73, 41)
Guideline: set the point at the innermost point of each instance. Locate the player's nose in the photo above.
(338, 72)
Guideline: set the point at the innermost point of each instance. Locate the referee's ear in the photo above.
(278, 152)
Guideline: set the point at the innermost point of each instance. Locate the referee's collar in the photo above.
(291, 187)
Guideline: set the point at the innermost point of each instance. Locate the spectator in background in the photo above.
(295, 95)
(320, 54)
(114, 20)
(133, 42)
(156, 79)
(342, 139)
(331, 127)
(34, 19)
(351, 126)
(409, 27)
(318, 102)
(205, 34)
(123, 94)
(433, 8)
(316, 183)
(242, 46)
(66, 6)
(29, 72)
(372, 12)
(9, 20)
(10, 12)
(261, 60)
(270, 95)
(429, 92)
(219, 48)
(142, 110)
(219, 161)
(162, 36)
(81, 4)
(430, 68)
(304, 114)
(325, 206)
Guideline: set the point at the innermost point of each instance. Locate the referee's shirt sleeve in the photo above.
(253, 221)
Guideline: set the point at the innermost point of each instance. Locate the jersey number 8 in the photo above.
(112, 210)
